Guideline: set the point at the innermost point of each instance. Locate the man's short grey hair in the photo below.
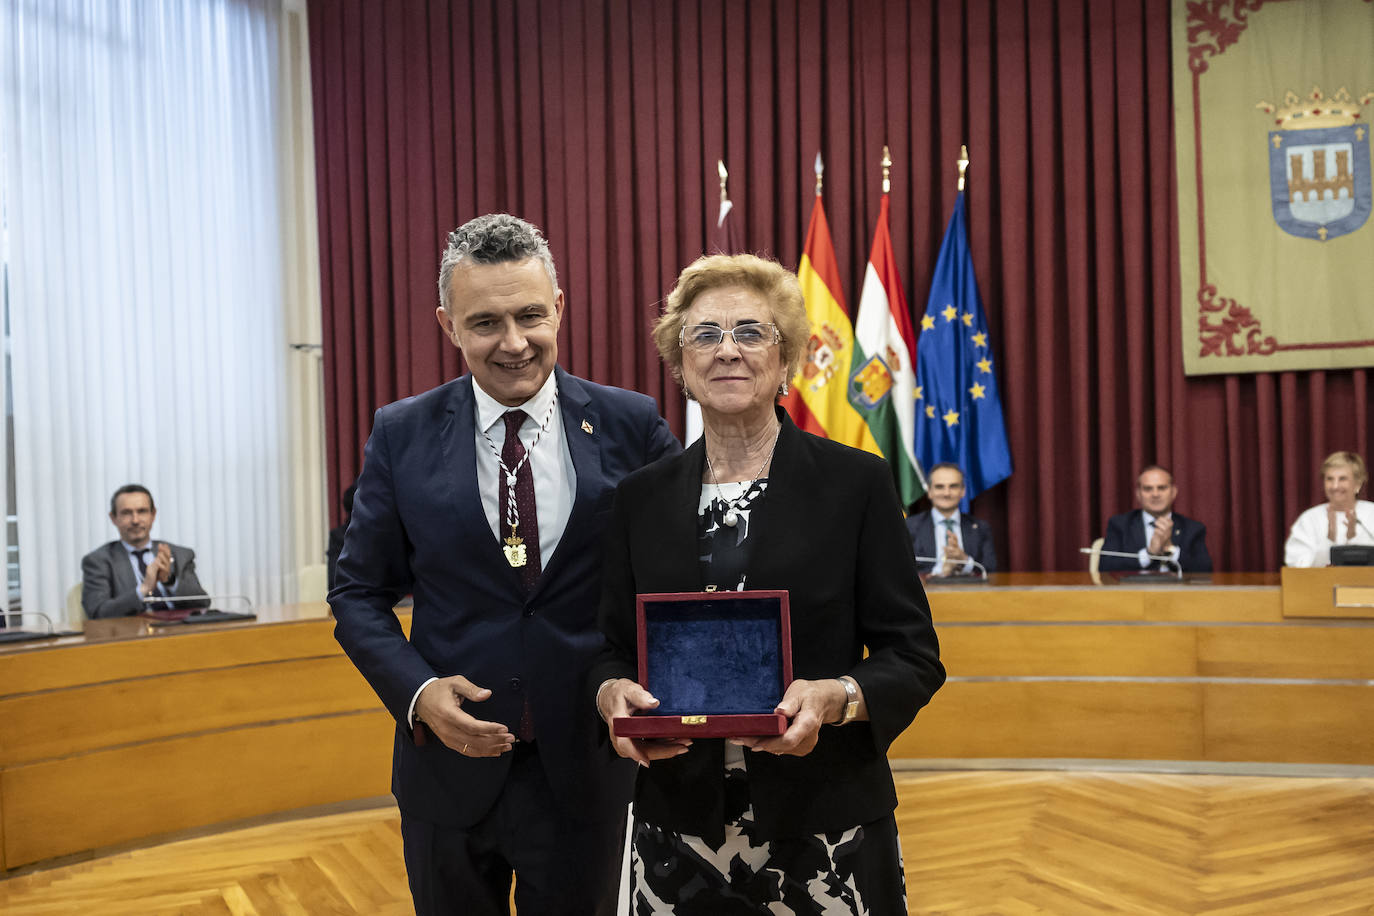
(496, 238)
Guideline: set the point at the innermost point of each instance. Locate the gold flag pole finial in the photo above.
(720, 167)
(820, 170)
(963, 164)
(887, 170)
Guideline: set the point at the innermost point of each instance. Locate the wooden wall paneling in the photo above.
(1192, 603)
(165, 653)
(1314, 650)
(1334, 591)
(65, 805)
(306, 632)
(1290, 723)
(86, 718)
(1182, 602)
(1073, 650)
(1152, 721)
(978, 603)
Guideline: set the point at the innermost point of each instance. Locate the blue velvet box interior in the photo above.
(721, 655)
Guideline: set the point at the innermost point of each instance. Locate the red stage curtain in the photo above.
(602, 123)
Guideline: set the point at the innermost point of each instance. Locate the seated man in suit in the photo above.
(118, 576)
(1155, 530)
(953, 539)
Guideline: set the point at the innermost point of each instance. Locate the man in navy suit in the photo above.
(1155, 530)
(952, 539)
(498, 765)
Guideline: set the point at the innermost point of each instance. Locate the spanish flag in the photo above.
(818, 401)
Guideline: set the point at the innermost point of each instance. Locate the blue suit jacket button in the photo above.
(516, 683)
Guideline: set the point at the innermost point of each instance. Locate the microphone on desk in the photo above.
(935, 561)
(9, 615)
(12, 633)
(1098, 551)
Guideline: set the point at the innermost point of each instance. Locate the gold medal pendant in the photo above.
(514, 550)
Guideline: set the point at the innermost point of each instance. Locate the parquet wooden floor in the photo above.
(1012, 843)
(976, 844)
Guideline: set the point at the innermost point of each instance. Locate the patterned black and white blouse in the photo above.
(724, 549)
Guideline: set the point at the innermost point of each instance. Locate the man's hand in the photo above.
(440, 707)
(1162, 541)
(955, 558)
(809, 705)
(163, 562)
(160, 570)
(624, 697)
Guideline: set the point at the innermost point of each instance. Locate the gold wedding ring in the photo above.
(464, 750)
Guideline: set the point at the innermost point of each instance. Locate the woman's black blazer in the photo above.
(830, 531)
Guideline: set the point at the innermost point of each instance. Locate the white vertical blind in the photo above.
(147, 284)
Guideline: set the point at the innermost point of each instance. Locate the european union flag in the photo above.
(958, 408)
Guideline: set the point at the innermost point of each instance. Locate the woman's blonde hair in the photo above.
(776, 284)
(1355, 462)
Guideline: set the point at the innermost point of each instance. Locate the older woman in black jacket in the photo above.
(804, 820)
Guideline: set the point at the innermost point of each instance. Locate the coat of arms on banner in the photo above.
(1319, 177)
(1275, 206)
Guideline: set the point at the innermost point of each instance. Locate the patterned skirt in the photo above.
(855, 872)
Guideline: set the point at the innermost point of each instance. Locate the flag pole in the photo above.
(720, 169)
(963, 164)
(887, 170)
(820, 170)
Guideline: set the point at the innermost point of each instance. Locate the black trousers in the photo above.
(562, 866)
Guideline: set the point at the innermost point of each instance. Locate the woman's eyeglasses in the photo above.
(754, 336)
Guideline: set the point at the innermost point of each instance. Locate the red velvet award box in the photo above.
(718, 662)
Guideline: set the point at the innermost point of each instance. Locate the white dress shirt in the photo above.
(555, 479)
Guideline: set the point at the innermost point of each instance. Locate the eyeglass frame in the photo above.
(730, 332)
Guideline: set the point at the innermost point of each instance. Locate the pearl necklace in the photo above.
(734, 505)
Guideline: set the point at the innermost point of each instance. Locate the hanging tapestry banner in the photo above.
(1273, 101)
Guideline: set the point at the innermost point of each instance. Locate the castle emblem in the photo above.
(1319, 170)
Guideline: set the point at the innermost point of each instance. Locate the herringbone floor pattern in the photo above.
(976, 844)
(986, 843)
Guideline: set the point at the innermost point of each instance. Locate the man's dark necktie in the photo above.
(512, 451)
(528, 527)
(142, 577)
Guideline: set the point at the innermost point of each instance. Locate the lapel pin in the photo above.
(586, 427)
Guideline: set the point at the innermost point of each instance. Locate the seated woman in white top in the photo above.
(1342, 519)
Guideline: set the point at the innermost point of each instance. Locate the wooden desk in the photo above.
(157, 730)
(1329, 591)
(107, 742)
(1050, 666)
